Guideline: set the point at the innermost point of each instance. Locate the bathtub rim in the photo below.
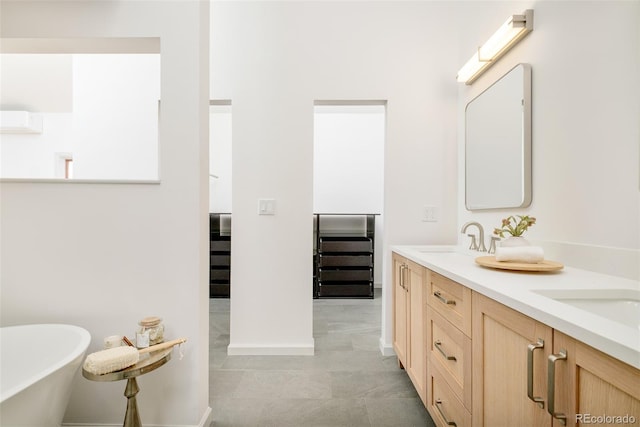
(78, 351)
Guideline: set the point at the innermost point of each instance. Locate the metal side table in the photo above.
(147, 363)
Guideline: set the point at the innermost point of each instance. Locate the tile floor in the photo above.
(346, 383)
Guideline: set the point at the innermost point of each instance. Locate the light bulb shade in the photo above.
(509, 33)
(471, 69)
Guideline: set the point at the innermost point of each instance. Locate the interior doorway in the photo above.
(348, 189)
(220, 140)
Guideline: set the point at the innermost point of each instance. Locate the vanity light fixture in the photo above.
(510, 33)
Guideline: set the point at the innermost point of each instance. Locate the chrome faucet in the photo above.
(478, 247)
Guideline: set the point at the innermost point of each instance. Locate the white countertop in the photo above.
(517, 291)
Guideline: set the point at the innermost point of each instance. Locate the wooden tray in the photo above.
(546, 265)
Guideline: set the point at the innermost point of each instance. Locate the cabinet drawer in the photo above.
(362, 290)
(346, 275)
(442, 403)
(345, 244)
(218, 290)
(450, 349)
(220, 260)
(220, 274)
(220, 245)
(345, 260)
(450, 299)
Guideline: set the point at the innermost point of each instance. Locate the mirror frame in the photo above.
(526, 184)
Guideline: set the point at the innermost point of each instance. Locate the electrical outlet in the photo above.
(429, 213)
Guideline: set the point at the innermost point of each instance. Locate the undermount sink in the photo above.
(619, 305)
(435, 249)
(444, 249)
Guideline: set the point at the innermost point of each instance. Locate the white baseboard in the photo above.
(386, 349)
(272, 350)
(204, 422)
(206, 418)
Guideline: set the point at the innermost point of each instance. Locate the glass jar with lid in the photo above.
(154, 327)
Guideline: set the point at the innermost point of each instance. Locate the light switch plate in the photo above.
(266, 206)
(429, 213)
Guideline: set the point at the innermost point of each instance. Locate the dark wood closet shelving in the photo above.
(343, 263)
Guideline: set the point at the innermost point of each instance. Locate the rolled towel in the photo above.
(525, 254)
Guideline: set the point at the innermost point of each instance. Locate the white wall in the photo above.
(585, 129)
(115, 102)
(273, 59)
(34, 155)
(348, 158)
(103, 256)
(220, 143)
(36, 82)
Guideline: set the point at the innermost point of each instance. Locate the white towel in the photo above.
(526, 254)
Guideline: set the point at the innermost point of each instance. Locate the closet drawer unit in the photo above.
(345, 244)
(220, 245)
(345, 260)
(219, 255)
(450, 349)
(364, 289)
(442, 403)
(451, 300)
(349, 275)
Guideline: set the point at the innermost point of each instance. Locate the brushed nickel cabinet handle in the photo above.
(404, 280)
(444, 417)
(438, 295)
(551, 386)
(530, 349)
(438, 346)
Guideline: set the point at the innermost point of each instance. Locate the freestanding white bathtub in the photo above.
(37, 366)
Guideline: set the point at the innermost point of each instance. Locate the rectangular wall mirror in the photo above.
(498, 144)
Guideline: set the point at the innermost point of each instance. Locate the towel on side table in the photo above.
(526, 254)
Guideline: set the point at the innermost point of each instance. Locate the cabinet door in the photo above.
(593, 388)
(500, 341)
(400, 329)
(417, 361)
